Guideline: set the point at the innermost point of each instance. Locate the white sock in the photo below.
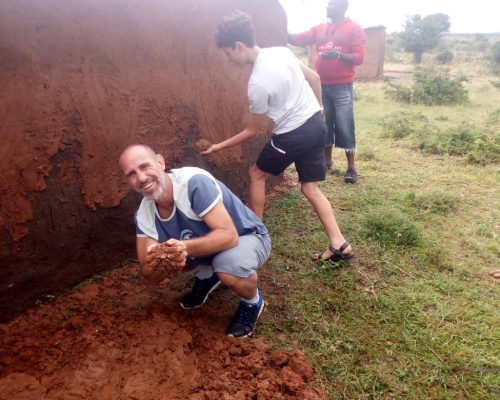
(254, 300)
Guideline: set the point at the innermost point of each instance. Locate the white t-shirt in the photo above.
(278, 88)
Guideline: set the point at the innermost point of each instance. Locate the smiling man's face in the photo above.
(144, 171)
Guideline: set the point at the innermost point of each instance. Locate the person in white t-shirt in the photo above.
(284, 98)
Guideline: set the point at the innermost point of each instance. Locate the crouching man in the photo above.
(198, 221)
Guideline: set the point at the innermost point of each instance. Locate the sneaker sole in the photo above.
(204, 300)
(250, 334)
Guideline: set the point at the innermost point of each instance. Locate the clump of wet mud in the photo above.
(201, 145)
(118, 338)
(165, 258)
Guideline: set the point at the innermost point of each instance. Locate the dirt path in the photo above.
(117, 338)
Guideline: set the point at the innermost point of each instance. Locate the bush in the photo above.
(401, 124)
(399, 93)
(478, 144)
(485, 150)
(391, 228)
(434, 89)
(453, 141)
(444, 57)
(430, 88)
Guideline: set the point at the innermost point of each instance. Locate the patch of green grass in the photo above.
(289, 200)
(402, 124)
(437, 202)
(391, 228)
(415, 314)
(366, 155)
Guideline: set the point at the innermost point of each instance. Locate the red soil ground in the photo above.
(119, 338)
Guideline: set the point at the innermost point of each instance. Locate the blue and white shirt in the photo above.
(195, 192)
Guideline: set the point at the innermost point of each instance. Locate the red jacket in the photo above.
(346, 37)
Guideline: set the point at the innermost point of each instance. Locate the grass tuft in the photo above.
(437, 202)
(391, 228)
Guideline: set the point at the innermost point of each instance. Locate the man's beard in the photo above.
(156, 195)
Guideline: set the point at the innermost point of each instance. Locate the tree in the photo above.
(422, 34)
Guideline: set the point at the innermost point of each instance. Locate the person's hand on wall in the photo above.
(211, 149)
(204, 147)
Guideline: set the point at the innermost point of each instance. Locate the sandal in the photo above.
(337, 255)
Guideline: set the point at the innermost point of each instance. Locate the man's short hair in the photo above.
(235, 27)
(145, 147)
(149, 151)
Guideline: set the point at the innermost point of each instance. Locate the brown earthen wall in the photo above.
(80, 80)
(373, 64)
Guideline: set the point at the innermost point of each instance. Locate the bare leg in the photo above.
(257, 190)
(243, 287)
(324, 210)
(350, 160)
(328, 157)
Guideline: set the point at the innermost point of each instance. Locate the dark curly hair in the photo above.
(235, 27)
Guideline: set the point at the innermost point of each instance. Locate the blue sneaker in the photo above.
(245, 319)
(199, 295)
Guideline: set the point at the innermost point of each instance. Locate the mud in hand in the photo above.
(201, 145)
(166, 258)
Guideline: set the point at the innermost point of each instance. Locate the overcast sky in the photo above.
(477, 16)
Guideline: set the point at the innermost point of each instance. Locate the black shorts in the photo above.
(305, 146)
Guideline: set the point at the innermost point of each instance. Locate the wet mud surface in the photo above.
(119, 338)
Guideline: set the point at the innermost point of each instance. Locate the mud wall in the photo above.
(373, 65)
(82, 79)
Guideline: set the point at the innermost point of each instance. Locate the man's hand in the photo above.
(167, 258)
(331, 55)
(176, 251)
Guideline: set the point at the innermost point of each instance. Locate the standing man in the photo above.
(339, 47)
(284, 98)
(200, 222)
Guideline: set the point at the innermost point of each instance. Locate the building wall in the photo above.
(373, 65)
